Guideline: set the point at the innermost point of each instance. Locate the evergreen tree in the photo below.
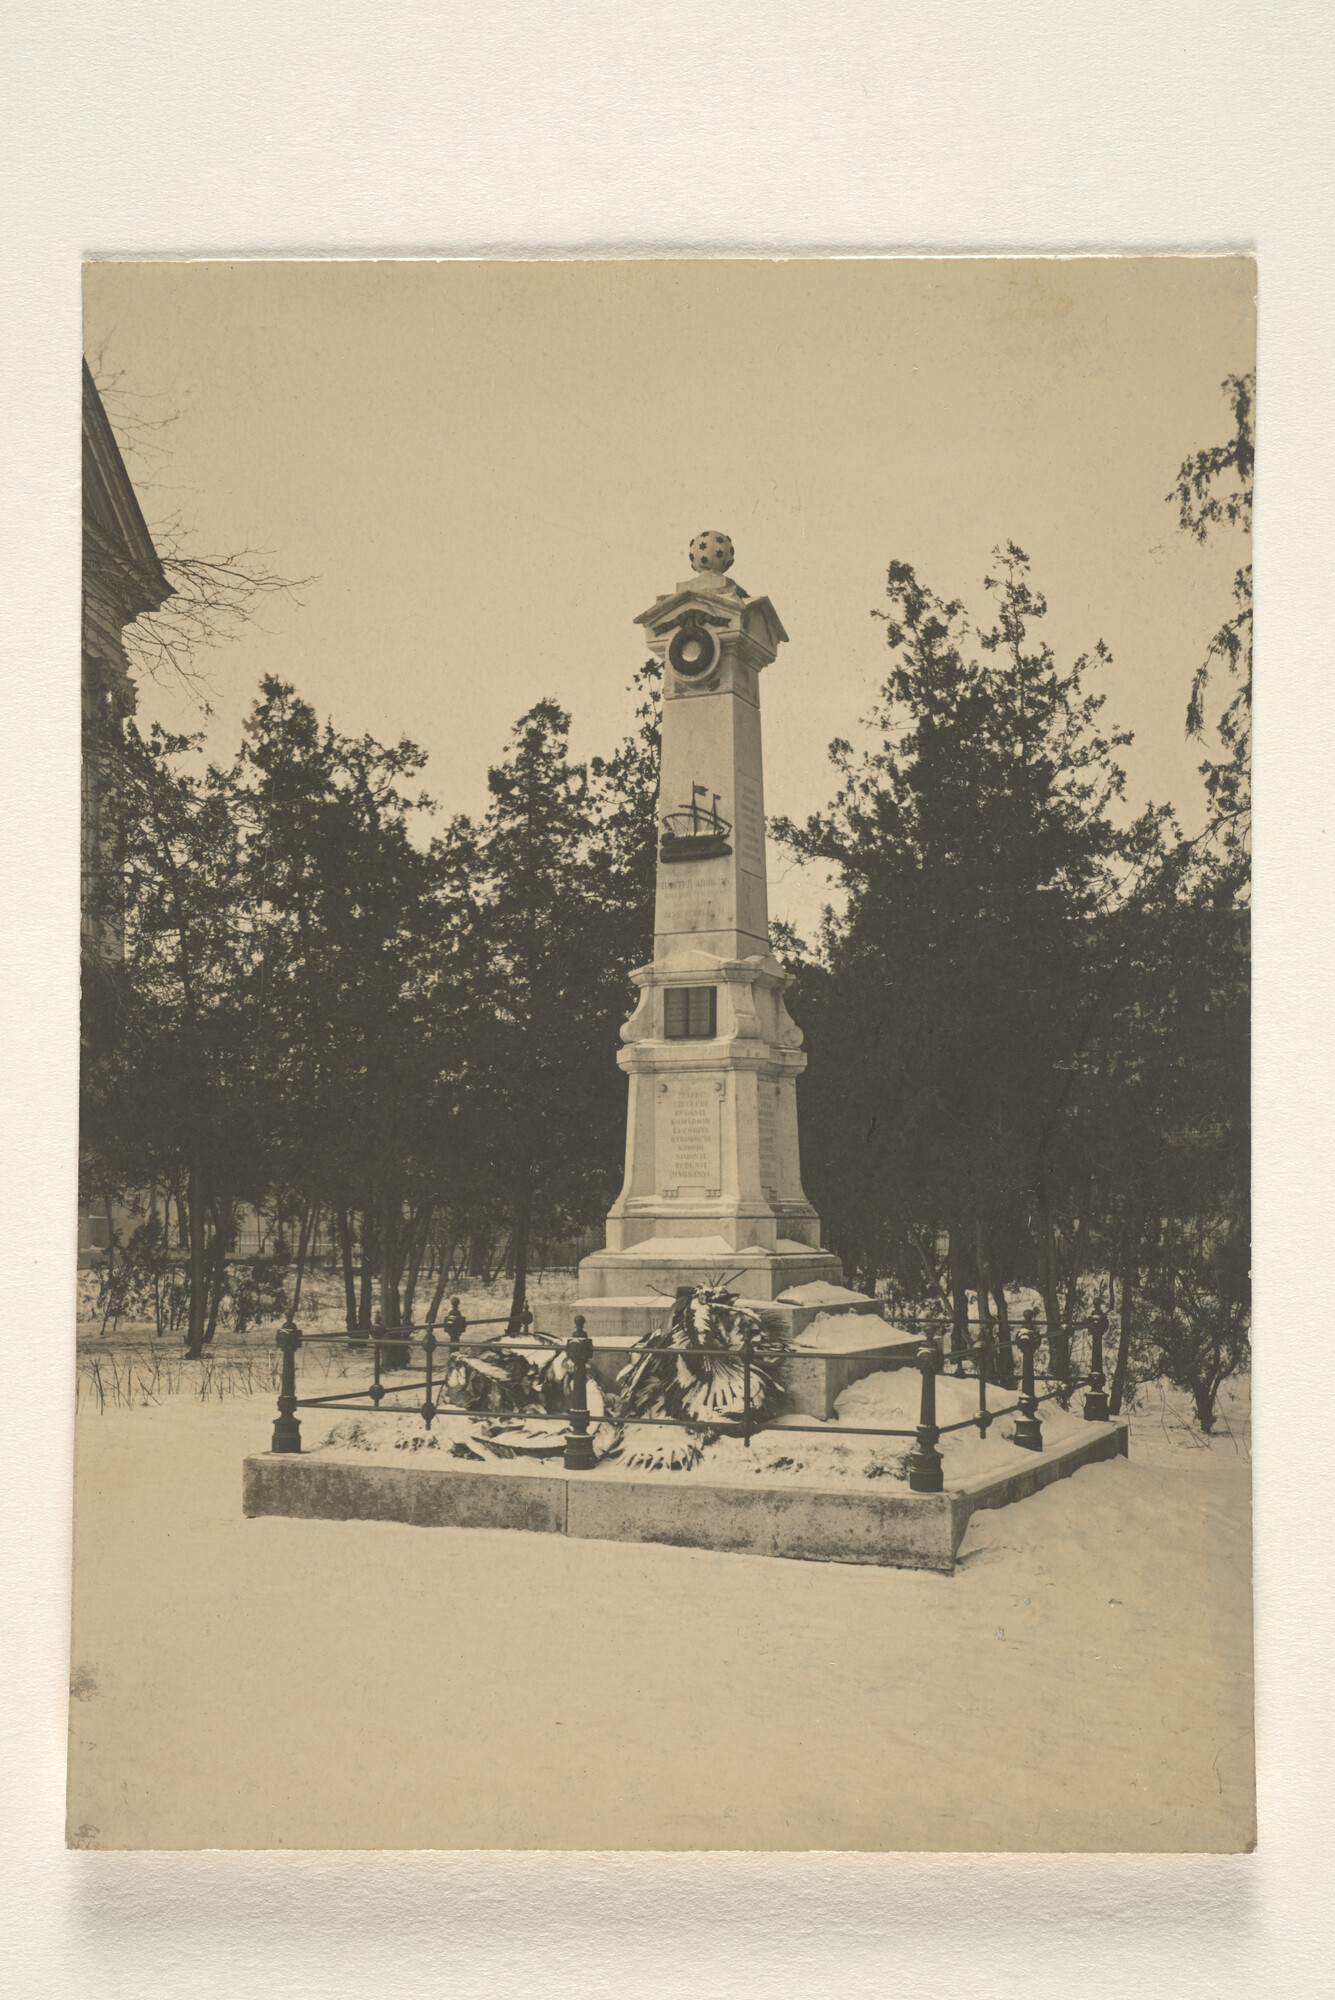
(978, 848)
(542, 1091)
(168, 1024)
(351, 1057)
(1214, 490)
(274, 1032)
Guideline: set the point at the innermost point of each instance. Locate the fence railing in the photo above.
(924, 1461)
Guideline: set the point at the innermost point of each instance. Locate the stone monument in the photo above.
(713, 1184)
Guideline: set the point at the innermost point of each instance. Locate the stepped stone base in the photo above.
(902, 1530)
(663, 1264)
(838, 1349)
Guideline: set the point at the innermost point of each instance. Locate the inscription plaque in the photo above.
(768, 1110)
(690, 1135)
(693, 899)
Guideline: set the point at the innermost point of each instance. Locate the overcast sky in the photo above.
(489, 469)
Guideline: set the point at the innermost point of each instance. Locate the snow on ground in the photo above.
(1083, 1681)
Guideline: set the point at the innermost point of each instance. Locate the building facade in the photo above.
(123, 578)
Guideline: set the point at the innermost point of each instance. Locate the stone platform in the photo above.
(899, 1530)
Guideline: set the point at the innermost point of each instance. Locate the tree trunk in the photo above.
(1079, 1235)
(448, 1259)
(498, 1260)
(1005, 1352)
(390, 1227)
(959, 1295)
(991, 1359)
(343, 1221)
(438, 1296)
(1117, 1390)
(480, 1246)
(367, 1299)
(159, 1265)
(1059, 1347)
(523, 1223)
(308, 1217)
(391, 1258)
(417, 1243)
(112, 1288)
(929, 1269)
(194, 1339)
(217, 1273)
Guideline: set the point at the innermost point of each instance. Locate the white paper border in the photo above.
(626, 128)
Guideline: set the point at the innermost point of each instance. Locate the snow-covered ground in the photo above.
(1083, 1681)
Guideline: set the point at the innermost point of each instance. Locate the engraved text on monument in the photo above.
(690, 1134)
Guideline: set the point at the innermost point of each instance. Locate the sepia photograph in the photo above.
(664, 1252)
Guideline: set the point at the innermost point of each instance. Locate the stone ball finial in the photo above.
(712, 551)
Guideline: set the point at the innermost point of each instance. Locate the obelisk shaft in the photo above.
(712, 756)
(712, 1175)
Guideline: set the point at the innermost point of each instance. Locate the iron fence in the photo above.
(924, 1461)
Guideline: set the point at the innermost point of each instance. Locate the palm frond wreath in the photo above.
(496, 1378)
(524, 1399)
(675, 1375)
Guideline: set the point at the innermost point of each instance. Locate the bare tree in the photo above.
(212, 596)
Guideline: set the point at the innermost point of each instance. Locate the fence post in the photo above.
(1096, 1402)
(579, 1445)
(1028, 1430)
(924, 1459)
(286, 1430)
(430, 1343)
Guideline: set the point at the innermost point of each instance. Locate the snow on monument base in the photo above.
(895, 1530)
